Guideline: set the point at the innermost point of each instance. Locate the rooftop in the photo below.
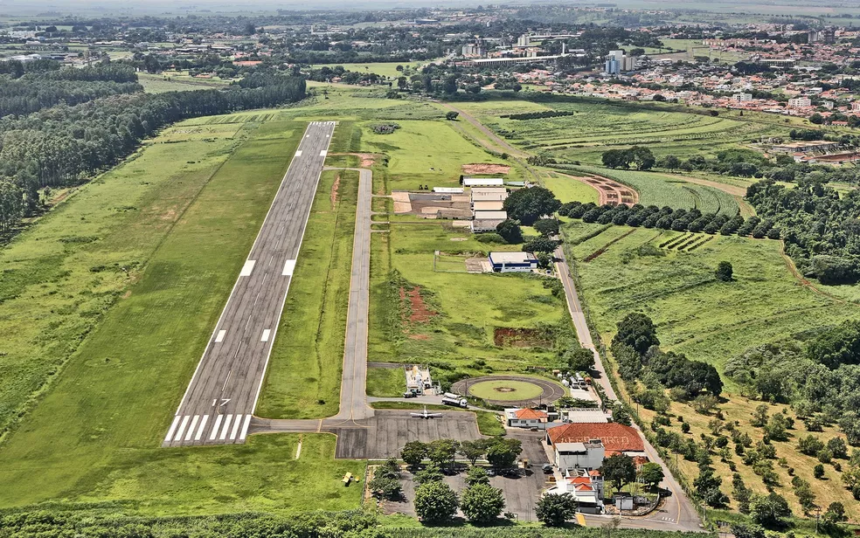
(512, 257)
(614, 436)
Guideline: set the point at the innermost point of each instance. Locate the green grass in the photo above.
(163, 83)
(385, 69)
(304, 376)
(505, 390)
(184, 231)
(695, 314)
(425, 153)
(568, 189)
(386, 382)
(664, 190)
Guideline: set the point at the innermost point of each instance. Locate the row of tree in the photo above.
(63, 145)
(639, 156)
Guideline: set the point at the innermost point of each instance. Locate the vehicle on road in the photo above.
(456, 402)
(426, 414)
(410, 394)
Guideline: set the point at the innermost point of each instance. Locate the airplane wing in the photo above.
(433, 415)
(417, 414)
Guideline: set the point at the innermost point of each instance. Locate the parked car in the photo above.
(546, 468)
(409, 394)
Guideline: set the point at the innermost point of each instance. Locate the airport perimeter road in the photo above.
(222, 394)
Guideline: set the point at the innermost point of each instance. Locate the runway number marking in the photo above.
(248, 268)
(223, 402)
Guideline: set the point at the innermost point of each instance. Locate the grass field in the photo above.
(695, 314)
(385, 69)
(386, 382)
(182, 231)
(568, 190)
(165, 83)
(307, 357)
(505, 390)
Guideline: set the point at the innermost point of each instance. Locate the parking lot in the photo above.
(521, 492)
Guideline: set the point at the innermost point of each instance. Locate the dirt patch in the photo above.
(418, 311)
(506, 336)
(367, 159)
(170, 215)
(334, 189)
(126, 295)
(419, 337)
(609, 191)
(485, 168)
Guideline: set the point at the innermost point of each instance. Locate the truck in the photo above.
(456, 402)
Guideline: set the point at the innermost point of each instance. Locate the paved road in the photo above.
(677, 511)
(221, 397)
(353, 387)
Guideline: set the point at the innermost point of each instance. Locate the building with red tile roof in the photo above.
(615, 437)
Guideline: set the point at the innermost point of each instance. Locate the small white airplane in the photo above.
(425, 414)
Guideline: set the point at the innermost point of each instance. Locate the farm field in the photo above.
(385, 69)
(567, 189)
(156, 251)
(695, 314)
(303, 380)
(163, 83)
(596, 127)
(661, 190)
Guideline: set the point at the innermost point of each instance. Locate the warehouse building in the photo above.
(512, 262)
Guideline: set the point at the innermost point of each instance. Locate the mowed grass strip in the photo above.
(95, 436)
(304, 374)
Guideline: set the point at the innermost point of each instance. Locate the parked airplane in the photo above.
(425, 414)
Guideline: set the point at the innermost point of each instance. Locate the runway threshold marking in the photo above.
(248, 268)
(181, 428)
(202, 428)
(226, 427)
(172, 429)
(245, 428)
(215, 427)
(191, 427)
(289, 267)
(221, 334)
(236, 427)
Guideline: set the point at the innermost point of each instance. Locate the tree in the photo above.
(619, 469)
(451, 115)
(741, 530)
(414, 452)
(528, 205)
(759, 418)
(651, 474)
(430, 473)
(383, 487)
(838, 448)
(477, 475)
(724, 271)
(555, 510)
(642, 158)
(503, 453)
(770, 510)
(435, 502)
(546, 227)
(510, 231)
(818, 471)
(707, 487)
(11, 204)
(816, 118)
(540, 244)
(442, 452)
(482, 503)
(580, 359)
(671, 162)
(637, 331)
(449, 85)
(472, 450)
(834, 515)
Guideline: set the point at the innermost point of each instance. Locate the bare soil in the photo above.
(485, 168)
(419, 313)
(506, 336)
(334, 189)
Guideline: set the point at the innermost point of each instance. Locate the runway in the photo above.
(221, 397)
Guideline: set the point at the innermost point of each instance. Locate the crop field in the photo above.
(695, 314)
(596, 127)
(665, 190)
(304, 378)
(418, 314)
(569, 190)
(128, 300)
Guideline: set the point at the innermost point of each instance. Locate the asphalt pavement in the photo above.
(220, 399)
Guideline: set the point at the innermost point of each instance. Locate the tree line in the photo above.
(62, 145)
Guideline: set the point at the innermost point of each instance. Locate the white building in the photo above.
(742, 97)
(799, 102)
(489, 194)
(588, 455)
(483, 182)
(491, 215)
(526, 418)
(512, 262)
(584, 486)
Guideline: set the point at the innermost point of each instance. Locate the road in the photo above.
(677, 511)
(222, 395)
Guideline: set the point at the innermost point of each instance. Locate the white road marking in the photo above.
(266, 334)
(226, 427)
(299, 153)
(182, 428)
(323, 153)
(191, 427)
(245, 427)
(248, 268)
(236, 427)
(289, 267)
(172, 429)
(201, 428)
(299, 449)
(220, 337)
(215, 428)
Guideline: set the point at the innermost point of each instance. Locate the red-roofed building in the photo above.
(614, 437)
(526, 418)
